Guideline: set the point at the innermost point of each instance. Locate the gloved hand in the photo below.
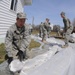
(10, 59)
(6, 57)
(21, 55)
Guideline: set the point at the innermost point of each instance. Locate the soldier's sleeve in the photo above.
(8, 43)
(26, 40)
(68, 23)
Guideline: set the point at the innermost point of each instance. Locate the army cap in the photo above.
(62, 13)
(47, 18)
(21, 15)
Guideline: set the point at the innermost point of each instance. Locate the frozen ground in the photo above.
(50, 59)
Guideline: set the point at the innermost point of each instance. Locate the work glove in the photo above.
(21, 55)
(9, 59)
(6, 57)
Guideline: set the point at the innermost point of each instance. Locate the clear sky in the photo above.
(51, 9)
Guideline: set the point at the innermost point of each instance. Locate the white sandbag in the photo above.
(16, 65)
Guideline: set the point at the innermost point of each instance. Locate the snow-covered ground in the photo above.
(55, 61)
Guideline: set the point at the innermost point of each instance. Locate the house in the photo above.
(8, 10)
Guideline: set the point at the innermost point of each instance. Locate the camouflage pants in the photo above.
(40, 32)
(67, 36)
(48, 33)
(44, 35)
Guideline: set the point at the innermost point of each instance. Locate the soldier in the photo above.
(46, 30)
(57, 30)
(40, 29)
(68, 28)
(17, 39)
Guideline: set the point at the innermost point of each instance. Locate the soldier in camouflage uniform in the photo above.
(41, 29)
(46, 30)
(68, 28)
(17, 39)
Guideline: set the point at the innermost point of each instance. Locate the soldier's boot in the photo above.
(64, 46)
(44, 41)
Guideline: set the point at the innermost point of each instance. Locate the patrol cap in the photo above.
(21, 15)
(62, 13)
(47, 18)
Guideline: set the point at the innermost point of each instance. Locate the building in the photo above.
(8, 10)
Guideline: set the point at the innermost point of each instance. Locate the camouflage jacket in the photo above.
(46, 26)
(67, 24)
(19, 36)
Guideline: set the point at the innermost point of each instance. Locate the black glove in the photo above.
(10, 59)
(21, 55)
(6, 57)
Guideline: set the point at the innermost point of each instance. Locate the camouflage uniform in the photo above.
(46, 30)
(17, 40)
(41, 30)
(56, 28)
(68, 28)
(20, 36)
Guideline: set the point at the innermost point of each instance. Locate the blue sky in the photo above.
(51, 9)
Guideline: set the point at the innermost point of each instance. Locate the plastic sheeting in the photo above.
(38, 60)
(62, 63)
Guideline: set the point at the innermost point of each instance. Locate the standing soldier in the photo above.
(46, 30)
(68, 28)
(40, 29)
(17, 40)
